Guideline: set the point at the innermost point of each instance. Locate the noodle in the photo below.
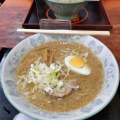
(88, 86)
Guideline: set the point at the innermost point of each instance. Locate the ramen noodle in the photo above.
(60, 76)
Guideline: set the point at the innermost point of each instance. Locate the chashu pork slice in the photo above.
(56, 94)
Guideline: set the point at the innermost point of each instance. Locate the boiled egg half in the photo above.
(77, 65)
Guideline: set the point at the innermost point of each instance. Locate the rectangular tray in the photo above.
(97, 17)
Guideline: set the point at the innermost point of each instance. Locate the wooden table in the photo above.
(13, 13)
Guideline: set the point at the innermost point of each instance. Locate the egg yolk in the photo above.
(77, 62)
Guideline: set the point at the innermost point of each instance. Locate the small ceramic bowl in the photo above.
(66, 10)
(108, 91)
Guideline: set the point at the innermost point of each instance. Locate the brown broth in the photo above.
(90, 85)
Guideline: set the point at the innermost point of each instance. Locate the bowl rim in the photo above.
(36, 117)
(79, 1)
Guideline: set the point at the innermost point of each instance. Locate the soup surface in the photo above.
(76, 78)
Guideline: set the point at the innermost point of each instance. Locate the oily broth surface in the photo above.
(90, 85)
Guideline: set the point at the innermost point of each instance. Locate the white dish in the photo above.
(102, 100)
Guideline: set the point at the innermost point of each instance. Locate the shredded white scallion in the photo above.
(46, 78)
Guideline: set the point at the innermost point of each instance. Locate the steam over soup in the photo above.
(60, 76)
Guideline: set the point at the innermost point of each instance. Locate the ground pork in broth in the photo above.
(89, 85)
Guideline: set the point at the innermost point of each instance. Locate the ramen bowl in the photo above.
(106, 94)
(66, 10)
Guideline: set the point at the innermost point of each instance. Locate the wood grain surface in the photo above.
(13, 13)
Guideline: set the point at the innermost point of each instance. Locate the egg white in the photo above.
(84, 70)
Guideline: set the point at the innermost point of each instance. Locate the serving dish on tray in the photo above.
(92, 17)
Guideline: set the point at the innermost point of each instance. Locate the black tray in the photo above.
(97, 17)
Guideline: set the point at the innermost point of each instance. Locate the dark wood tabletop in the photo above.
(12, 15)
